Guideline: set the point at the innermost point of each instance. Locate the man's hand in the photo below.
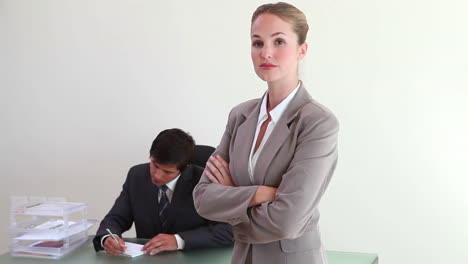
(112, 247)
(161, 242)
(218, 171)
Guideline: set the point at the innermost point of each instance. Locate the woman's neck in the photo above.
(277, 91)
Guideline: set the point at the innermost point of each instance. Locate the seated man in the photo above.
(157, 196)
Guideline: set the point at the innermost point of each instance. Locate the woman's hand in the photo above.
(218, 171)
(262, 195)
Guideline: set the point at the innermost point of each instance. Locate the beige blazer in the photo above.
(298, 158)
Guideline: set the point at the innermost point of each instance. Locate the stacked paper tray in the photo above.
(48, 229)
(47, 248)
(49, 208)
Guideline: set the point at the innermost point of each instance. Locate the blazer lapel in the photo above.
(242, 145)
(279, 134)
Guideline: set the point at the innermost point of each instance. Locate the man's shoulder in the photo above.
(195, 170)
(140, 167)
(139, 170)
(193, 173)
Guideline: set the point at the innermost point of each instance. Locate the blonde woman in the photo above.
(277, 155)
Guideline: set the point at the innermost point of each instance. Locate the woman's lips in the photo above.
(267, 66)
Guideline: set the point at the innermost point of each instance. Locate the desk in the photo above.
(86, 254)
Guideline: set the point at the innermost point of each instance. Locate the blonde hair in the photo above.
(288, 13)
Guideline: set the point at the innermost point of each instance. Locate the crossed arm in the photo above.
(262, 214)
(218, 172)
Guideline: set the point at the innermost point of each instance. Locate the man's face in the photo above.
(162, 173)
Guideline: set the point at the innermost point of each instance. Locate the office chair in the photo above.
(201, 154)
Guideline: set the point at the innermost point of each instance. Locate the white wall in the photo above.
(86, 86)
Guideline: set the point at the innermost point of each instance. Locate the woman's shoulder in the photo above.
(315, 114)
(245, 108)
(314, 108)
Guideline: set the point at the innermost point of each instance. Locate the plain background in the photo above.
(87, 85)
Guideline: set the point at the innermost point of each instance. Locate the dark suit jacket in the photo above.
(138, 203)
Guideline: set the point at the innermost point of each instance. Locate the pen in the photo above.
(112, 235)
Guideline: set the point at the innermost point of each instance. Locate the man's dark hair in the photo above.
(173, 146)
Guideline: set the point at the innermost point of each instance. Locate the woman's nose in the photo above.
(266, 52)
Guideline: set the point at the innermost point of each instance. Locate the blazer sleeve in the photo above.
(218, 202)
(212, 235)
(120, 217)
(300, 190)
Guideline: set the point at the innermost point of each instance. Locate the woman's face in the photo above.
(275, 51)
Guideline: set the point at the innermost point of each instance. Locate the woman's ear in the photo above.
(302, 50)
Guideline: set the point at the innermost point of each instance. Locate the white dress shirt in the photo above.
(169, 192)
(275, 114)
(170, 189)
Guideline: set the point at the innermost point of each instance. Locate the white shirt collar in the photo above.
(276, 112)
(172, 184)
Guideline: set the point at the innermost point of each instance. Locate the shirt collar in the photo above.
(276, 112)
(172, 184)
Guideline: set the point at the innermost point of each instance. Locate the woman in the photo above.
(277, 154)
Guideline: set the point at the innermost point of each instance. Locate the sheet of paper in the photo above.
(50, 225)
(44, 231)
(133, 250)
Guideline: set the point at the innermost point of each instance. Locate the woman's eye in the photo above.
(279, 42)
(257, 43)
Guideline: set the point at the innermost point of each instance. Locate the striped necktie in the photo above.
(163, 205)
